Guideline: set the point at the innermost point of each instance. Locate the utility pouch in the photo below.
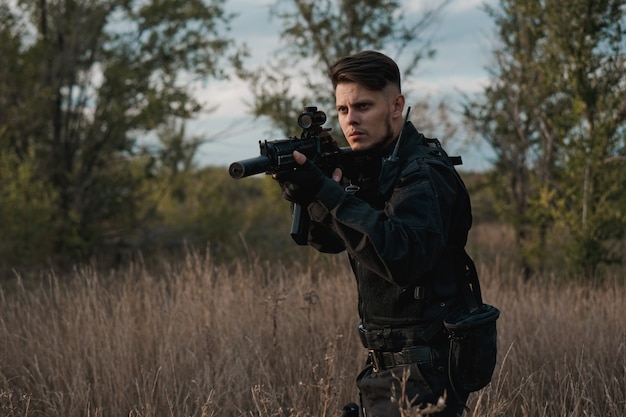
(473, 347)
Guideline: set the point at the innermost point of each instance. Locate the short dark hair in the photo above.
(371, 69)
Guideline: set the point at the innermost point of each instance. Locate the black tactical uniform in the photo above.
(404, 231)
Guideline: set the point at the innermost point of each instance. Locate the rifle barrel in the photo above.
(250, 166)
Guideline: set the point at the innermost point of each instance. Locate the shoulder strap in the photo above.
(471, 285)
(434, 143)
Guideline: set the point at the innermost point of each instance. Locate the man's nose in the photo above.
(352, 117)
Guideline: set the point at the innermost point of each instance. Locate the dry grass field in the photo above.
(257, 339)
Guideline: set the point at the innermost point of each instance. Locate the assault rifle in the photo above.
(277, 156)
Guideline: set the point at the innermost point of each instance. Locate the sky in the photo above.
(461, 38)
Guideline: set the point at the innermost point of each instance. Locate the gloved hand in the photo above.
(302, 184)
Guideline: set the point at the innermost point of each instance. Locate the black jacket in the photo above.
(405, 245)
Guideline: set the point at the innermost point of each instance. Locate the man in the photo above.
(403, 220)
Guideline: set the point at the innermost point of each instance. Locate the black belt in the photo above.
(389, 339)
(394, 339)
(415, 354)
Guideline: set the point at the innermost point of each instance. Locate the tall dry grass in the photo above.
(258, 339)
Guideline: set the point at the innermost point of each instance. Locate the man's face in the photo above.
(368, 118)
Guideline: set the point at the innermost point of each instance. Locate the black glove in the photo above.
(302, 184)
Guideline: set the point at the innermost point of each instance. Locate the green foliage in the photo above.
(208, 209)
(27, 212)
(85, 85)
(555, 113)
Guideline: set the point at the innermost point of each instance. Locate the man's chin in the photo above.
(360, 146)
(367, 147)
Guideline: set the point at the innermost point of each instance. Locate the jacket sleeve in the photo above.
(403, 240)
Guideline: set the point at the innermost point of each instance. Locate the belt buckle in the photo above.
(376, 362)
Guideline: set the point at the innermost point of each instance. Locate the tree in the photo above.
(26, 212)
(316, 34)
(84, 82)
(554, 112)
(512, 115)
(592, 56)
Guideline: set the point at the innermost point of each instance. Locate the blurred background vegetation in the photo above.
(84, 82)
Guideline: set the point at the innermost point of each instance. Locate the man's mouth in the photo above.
(355, 135)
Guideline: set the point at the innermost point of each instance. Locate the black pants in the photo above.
(383, 393)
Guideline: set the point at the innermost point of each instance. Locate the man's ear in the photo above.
(398, 105)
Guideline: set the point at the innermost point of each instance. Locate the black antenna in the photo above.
(394, 155)
(390, 168)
